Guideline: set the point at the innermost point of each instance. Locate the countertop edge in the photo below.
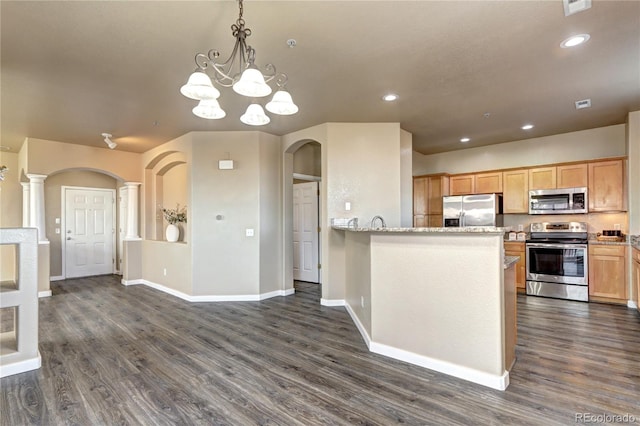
(510, 260)
(466, 230)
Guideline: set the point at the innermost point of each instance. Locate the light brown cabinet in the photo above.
(542, 178)
(607, 273)
(462, 185)
(572, 176)
(516, 248)
(478, 183)
(607, 186)
(488, 183)
(515, 185)
(427, 200)
(635, 274)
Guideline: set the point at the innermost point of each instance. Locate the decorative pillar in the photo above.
(25, 205)
(132, 232)
(36, 205)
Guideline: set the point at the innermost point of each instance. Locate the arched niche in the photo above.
(166, 184)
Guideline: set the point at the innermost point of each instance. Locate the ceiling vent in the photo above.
(575, 6)
(585, 103)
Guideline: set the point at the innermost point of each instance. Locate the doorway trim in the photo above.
(63, 224)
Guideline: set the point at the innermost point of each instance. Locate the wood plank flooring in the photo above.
(115, 355)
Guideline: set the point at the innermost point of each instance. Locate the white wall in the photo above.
(601, 142)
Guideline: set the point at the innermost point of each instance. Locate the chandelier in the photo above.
(240, 73)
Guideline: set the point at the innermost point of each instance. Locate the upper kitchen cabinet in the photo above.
(427, 199)
(607, 186)
(515, 185)
(488, 183)
(542, 178)
(478, 183)
(572, 176)
(462, 185)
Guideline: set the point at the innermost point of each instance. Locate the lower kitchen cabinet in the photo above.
(516, 248)
(635, 267)
(607, 274)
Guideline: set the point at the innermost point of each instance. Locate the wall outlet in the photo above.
(57, 221)
(347, 206)
(57, 230)
(165, 272)
(249, 232)
(616, 226)
(520, 228)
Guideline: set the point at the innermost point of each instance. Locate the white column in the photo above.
(36, 204)
(132, 232)
(25, 204)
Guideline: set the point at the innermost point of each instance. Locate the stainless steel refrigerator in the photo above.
(472, 210)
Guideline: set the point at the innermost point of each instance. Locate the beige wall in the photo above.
(406, 178)
(10, 211)
(601, 142)
(270, 213)
(307, 160)
(54, 206)
(46, 157)
(225, 261)
(358, 276)
(167, 264)
(633, 151)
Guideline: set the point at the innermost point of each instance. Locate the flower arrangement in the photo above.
(177, 215)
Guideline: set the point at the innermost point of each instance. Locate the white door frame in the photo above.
(310, 178)
(63, 232)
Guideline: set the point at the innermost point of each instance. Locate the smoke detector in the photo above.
(108, 141)
(575, 6)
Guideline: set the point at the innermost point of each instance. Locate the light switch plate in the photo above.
(347, 206)
(57, 221)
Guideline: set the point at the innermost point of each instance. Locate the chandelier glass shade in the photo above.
(240, 73)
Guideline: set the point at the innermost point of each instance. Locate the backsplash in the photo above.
(597, 222)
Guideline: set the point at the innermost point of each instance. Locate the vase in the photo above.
(172, 233)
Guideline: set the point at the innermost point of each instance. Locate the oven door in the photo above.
(557, 263)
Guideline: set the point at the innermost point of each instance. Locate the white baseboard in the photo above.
(46, 293)
(332, 302)
(56, 278)
(209, 298)
(494, 381)
(631, 304)
(361, 329)
(20, 366)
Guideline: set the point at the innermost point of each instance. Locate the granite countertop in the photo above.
(510, 260)
(634, 240)
(466, 230)
(593, 240)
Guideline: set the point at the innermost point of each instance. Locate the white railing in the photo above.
(19, 305)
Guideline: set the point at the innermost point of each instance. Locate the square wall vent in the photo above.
(585, 103)
(575, 6)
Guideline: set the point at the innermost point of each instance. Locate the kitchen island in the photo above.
(441, 298)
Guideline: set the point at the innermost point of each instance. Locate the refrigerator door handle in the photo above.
(462, 218)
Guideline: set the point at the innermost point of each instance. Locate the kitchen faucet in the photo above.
(375, 218)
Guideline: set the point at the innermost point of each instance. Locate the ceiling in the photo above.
(71, 70)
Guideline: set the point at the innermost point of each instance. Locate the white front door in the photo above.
(305, 232)
(89, 232)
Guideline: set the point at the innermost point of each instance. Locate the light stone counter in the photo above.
(510, 260)
(440, 230)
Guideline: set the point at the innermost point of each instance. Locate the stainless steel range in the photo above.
(556, 260)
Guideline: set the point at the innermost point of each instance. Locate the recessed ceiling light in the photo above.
(575, 40)
(527, 127)
(464, 140)
(390, 97)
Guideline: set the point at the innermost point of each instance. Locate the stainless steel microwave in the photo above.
(558, 201)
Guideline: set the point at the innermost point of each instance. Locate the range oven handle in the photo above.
(559, 246)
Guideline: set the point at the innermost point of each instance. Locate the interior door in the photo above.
(89, 232)
(305, 232)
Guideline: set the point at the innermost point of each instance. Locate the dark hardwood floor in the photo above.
(133, 355)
